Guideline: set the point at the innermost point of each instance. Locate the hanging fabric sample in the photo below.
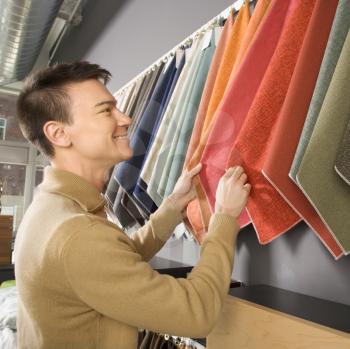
(176, 157)
(235, 37)
(130, 111)
(172, 124)
(149, 88)
(111, 193)
(149, 167)
(140, 191)
(128, 172)
(209, 85)
(127, 97)
(328, 193)
(124, 207)
(270, 213)
(336, 40)
(196, 224)
(175, 128)
(238, 99)
(290, 122)
(260, 10)
(198, 211)
(342, 164)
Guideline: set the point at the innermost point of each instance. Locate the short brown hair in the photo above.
(44, 98)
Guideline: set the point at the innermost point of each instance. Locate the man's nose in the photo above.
(123, 119)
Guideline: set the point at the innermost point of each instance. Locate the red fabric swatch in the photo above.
(291, 120)
(237, 100)
(270, 213)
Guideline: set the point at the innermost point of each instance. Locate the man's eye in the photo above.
(107, 110)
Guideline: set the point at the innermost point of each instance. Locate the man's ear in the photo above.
(56, 133)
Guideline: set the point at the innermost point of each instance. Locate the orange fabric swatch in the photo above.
(208, 88)
(197, 226)
(238, 99)
(258, 15)
(270, 213)
(198, 211)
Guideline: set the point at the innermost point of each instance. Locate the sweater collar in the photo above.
(74, 187)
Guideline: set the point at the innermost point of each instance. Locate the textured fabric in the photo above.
(125, 217)
(198, 211)
(179, 148)
(337, 37)
(259, 13)
(140, 100)
(329, 194)
(197, 226)
(342, 164)
(148, 168)
(140, 191)
(270, 213)
(168, 149)
(105, 290)
(8, 307)
(128, 93)
(238, 99)
(171, 123)
(147, 93)
(134, 97)
(127, 173)
(290, 122)
(239, 28)
(125, 209)
(208, 89)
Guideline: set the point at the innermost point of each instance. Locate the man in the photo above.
(82, 282)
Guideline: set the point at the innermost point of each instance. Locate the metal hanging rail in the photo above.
(235, 7)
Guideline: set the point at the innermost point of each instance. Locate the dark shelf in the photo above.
(167, 266)
(7, 273)
(320, 311)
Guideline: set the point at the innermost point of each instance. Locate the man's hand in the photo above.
(232, 192)
(183, 191)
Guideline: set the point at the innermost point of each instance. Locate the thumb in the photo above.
(195, 170)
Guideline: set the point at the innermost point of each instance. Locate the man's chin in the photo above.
(125, 156)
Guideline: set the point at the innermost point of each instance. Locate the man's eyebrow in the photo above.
(111, 101)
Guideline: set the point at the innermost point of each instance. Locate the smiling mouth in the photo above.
(121, 137)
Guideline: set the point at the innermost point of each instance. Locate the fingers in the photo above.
(242, 179)
(247, 187)
(235, 172)
(195, 170)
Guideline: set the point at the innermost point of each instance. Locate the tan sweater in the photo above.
(83, 283)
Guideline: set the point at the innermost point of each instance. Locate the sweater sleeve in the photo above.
(150, 238)
(106, 273)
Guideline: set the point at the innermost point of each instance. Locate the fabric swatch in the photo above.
(342, 164)
(270, 213)
(178, 151)
(328, 193)
(340, 28)
(238, 99)
(171, 123)
(292, 116)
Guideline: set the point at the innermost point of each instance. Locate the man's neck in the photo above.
(96, 175)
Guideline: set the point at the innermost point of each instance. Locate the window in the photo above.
(2, 128)
(8, 119)
(12, 181)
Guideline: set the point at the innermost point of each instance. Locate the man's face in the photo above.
(99, 130)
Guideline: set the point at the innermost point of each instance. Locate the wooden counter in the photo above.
(259, 317)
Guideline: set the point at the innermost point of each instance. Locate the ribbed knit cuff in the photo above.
(165, 219)
(223, 226)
